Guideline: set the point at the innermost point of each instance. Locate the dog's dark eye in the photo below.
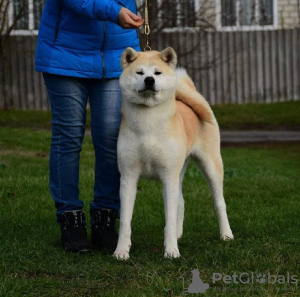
(140, 72)
(157, 73)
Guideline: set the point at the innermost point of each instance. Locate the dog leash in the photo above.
(147, 28)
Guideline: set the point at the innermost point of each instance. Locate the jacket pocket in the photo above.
(56, 33)
(57, 26)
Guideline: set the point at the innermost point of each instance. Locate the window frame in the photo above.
(239, 27)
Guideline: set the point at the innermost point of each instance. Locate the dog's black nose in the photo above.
(149, 81)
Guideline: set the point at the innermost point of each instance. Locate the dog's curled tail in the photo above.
(186, 92)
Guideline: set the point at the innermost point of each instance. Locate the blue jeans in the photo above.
(68, 98)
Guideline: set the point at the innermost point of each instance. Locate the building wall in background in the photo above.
(288, 13)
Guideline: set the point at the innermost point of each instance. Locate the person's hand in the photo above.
(129, 20)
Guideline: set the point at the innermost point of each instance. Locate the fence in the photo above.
(20, 86)
(227, 67)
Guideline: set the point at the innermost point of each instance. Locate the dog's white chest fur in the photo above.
(149, 155)
(145, 153)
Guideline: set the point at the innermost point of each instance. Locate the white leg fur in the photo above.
(128, 189)
(171, 194)
(180, 214)
(212, 168)
(180, 210)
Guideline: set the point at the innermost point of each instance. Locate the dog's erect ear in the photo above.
(128, 56)
(169, 56)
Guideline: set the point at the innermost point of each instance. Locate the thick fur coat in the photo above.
(165, 121)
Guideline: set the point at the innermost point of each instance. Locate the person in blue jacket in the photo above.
(79, 46)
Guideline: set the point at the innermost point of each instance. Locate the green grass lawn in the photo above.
(262, 191)
(284, 116)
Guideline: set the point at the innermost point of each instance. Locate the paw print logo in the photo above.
(260, 278)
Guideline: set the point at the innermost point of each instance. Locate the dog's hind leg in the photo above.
(180, 210)
(128, 188)
(210, 163)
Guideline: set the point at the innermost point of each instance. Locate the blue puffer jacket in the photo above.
(82, 38)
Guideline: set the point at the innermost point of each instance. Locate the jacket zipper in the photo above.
(102, 55)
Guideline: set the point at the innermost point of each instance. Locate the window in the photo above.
(26, 15)
(172, 15)
(178, 13)
(246, 14)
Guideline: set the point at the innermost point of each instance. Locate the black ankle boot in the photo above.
(73, 232)
(104, 234)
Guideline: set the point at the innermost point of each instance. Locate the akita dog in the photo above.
(165, 121)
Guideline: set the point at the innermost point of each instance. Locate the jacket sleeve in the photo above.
(104, 10)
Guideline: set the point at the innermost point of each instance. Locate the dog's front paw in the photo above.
(172, 253)
(121, 254)
(226, 236)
